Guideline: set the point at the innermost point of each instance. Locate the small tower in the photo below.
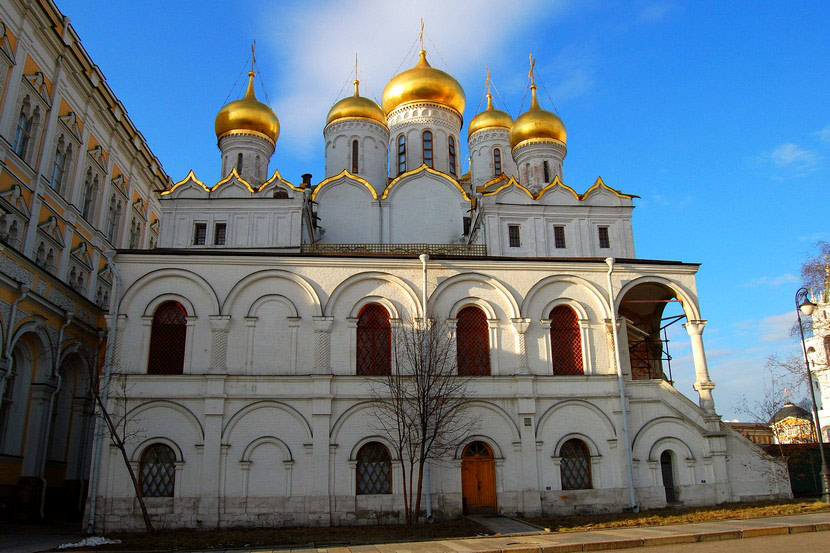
(357, 139)
(488, 140)
(247, 132)
(538, 140)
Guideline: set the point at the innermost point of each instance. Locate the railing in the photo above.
(477, 250)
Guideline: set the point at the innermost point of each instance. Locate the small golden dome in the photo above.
(248, 116)
(356, 107)
(489, 119)
(423, 83)
(537, 125)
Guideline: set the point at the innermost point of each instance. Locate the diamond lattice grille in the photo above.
(157, 471)
(565, 341)
(374, 469)
(374, 341)
(575, 465)
(167, 339)
(473, 342)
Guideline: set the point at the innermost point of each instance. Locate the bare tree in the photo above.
(420, 406)
(814, 269)
(113, 413)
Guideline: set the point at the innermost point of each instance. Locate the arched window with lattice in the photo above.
(374, 341)
(157, 471)
(472, 336)
(575, 465)
(374, 469)
(496, 162)
(167, 339)
(426, 138)
(565, 341)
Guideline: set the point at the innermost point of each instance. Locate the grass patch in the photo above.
(288, 537)
(679, 515)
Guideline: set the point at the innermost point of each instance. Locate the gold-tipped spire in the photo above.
(536, 125)
(356, 106)
(489, 118)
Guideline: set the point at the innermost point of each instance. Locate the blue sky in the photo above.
(715, 113)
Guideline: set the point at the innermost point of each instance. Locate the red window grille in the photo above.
(157, 471)
(374, 341)
(167, 339)
(472, 342)
(565, 341)
(575, 465)
(374, 469)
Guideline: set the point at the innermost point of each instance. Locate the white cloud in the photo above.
(776, 328)
(318, 42)
(771, 281)
(791, 154)
(823, 134)
(657, 11)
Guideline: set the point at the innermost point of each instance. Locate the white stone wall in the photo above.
(268, 416)
(530, 159)
(481, 146)
(255, 151)
(373, 151)
(411, 120)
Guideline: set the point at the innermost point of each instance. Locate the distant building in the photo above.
(755, 432)
(818, 353)
(792, 425)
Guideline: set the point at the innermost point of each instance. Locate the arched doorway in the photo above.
(667, 468)
(478, 479)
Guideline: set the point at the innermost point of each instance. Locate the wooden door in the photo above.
(668, 476)
(478, 479)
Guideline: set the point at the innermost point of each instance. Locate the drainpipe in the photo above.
(632, 494)
(57, 374)
(24, 291)
(424, 257)
(115, 303)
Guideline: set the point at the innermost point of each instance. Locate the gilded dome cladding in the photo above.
(538, 125)
(489, 119)
(356, 107)
(248, 115)
(423, 83)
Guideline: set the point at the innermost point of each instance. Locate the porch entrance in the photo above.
(478, 479)
(668, 477)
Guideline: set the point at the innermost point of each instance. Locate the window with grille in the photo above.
(374, 341)
(565, 341)
(604, 239)
(199, 234)
(559, 237)
(354, 156)
(472, 342)
(401, 154)
(513, 236)
(575, 465)
(496, 162)
(239, 159)
(59, 165)
(23, 132)
(427, 140)
(374, 469)
(167, 339)
(90, 194)
(157, 471)
(546, 171)
(452, 155)
(219, 232)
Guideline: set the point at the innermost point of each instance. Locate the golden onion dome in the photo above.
(248, 116)
(537, 125)
(356, 107)
(489, 119)
(423, 83)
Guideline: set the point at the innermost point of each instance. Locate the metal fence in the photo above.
(479, 250)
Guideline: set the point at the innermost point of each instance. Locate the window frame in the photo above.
(604, 237)
(199, 239)
(427, 148)
(217, 234)
(451, 158)
(373, 330)
(401, 154)
(566, 345)
(355, 156)
(497, 168)
(572, 452)
(363, 472)
(168, 340)
(546, 171)
(169, 485)
(559, 239)
(511, 228)
(472, 342)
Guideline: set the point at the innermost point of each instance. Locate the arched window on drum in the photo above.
(167, 339)
(565, 341)
(374, 341)
(472, 342)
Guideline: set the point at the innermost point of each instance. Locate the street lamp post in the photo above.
(804, 305)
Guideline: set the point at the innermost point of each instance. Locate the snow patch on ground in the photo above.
(91, 541)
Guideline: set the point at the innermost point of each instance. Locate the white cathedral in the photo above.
(248, 335)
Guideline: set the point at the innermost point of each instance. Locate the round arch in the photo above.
(232, 422)
(307, 288)
(152, 276)
(39, 349)
(689, 305)
(153, 304)
(592, 446)
(279, 298)
(638, 437)
(472, 302)
(491, 443)
(374, 275)
(369, 439)
(273, 440)
(363, 302)
(672, 443)
(344, 416)
(188, 414)
(588, 286)
(492, 282)
(609, 426)
(139, 449)
(578, 308)
(511, 424)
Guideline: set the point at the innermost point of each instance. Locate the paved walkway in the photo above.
(505, 525)
(40, 537)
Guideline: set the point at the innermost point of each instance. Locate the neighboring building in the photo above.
(249, 334)
(793, 425)
(755, 432)
(76, 181)
(818, 353)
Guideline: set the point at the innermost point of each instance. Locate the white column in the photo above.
(703, 384)
(219, 325)
(322, 345)
(520, 326)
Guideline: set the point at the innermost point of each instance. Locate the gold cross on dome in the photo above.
(253, 55)
(530, 73)
(421, 34)
(487, 82)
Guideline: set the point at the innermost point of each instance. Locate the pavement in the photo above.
(25, 538)
(772, 528)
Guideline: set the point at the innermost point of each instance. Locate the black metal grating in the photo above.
(157, 471)
(575, 465)
(473, 342)
(374, 469)
(374, 341)
(565, 342)
(167, 339)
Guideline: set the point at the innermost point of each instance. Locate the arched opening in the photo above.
(239, 160)
(472, 342)
(565, 342)
(667, 471)
(650, 309)
(374, 341)
(575, 465)
(167, 339)
(374, 469)
(355, 168)
(451, 157)
(157, 471)
(401, 154)
(497, 162)
(478, 479)
(427, 142)
(546, 171)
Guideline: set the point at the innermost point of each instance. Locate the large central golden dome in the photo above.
(537, 125)
(248, 116)
(423, 83)
(356, 107)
